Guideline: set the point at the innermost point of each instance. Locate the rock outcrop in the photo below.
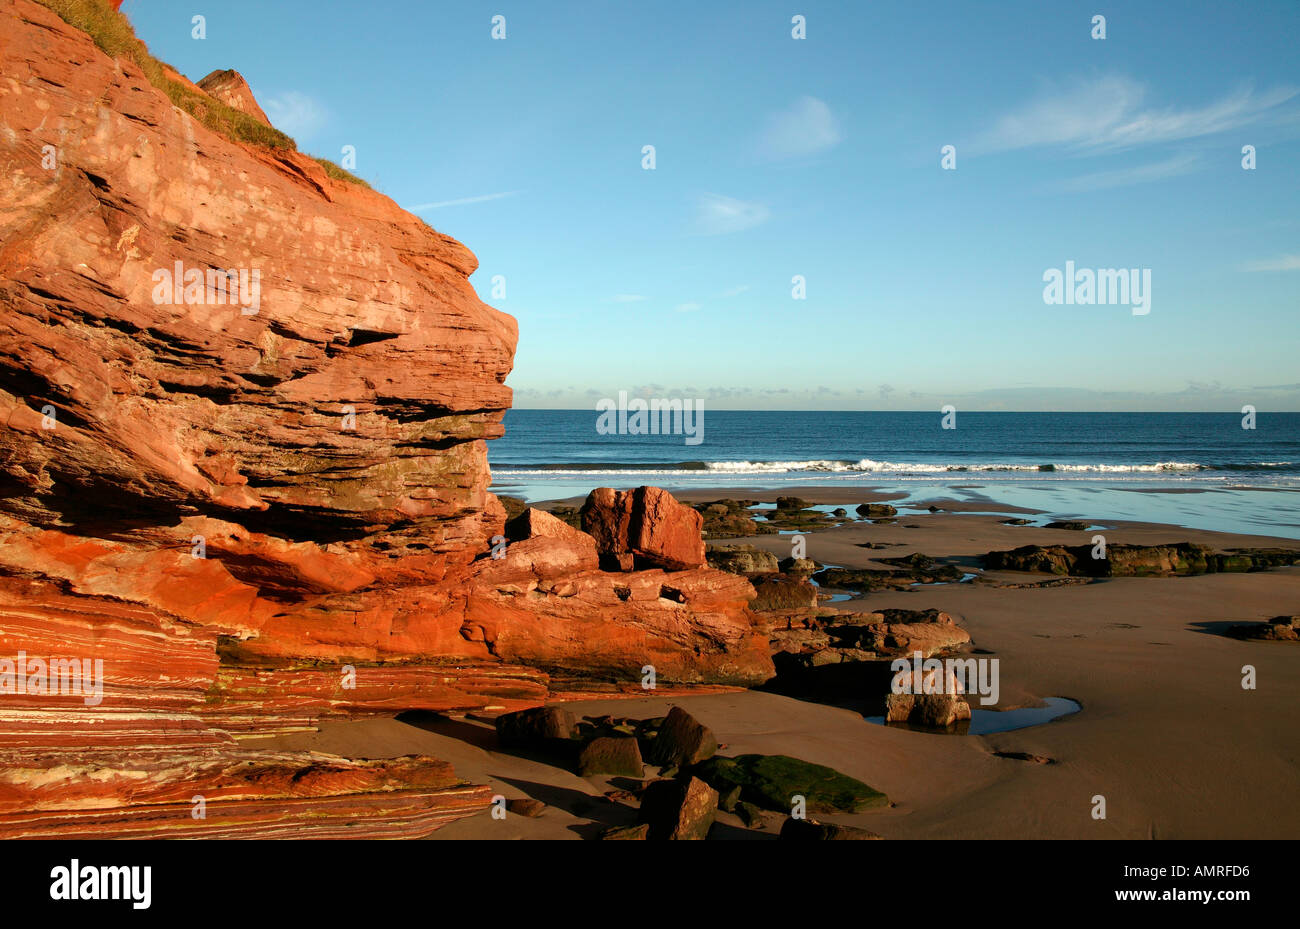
(1119, 560)
(231, 89)
(742, 559)
(244, 466)
(1277, 629)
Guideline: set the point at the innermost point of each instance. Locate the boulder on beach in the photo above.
(678, 809)
(938, 703)
(876, 510)
(742, 559)
(647, 524)
(729, 519)
(1277, 629)
(800, 567)
(613, 755)
(537, 728)
(682, 740)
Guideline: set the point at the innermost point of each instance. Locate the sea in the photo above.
(1201, 470)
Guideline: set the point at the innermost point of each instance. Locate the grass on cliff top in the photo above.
(111, 31)
(338, 173)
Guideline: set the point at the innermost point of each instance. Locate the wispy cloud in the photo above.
(1111, 113)
(1123, 177)
(687, 307)
(460, 202)
(629, 298)
(735, 291)
(805, 128)
(296, 114)
(1285, 263)
(718, 215)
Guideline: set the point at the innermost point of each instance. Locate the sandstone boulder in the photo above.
(682, 740)
(537, 728)
(679, 809)
(646, 523)
(610, 755)
(938, 703)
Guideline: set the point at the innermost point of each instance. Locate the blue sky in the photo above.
(820, 157)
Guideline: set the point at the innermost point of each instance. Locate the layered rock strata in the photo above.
(244, 467)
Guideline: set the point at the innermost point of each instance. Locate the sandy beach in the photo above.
(1166, 732)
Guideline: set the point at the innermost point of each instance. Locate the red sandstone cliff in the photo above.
(227, 501)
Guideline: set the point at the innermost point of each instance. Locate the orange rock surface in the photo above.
(261, 505)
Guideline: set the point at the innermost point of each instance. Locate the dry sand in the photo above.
(1167, 734)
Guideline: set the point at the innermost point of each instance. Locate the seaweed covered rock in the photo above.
(773, 781)
(876, 510)
(730, 519)
(742, 559)
(1120, 560)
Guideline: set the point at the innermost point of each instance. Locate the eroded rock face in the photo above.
(244, 458)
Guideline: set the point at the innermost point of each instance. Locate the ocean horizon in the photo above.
(1202, 470)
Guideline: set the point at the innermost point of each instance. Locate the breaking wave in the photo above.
(872, 466)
